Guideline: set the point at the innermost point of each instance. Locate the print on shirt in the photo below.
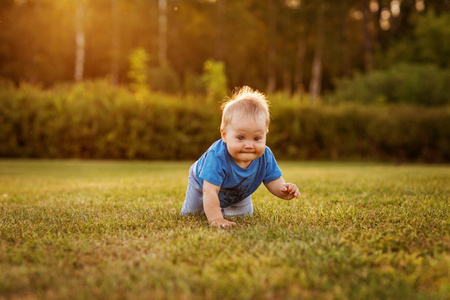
(230, 196)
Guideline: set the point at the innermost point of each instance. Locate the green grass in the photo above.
(112, 230)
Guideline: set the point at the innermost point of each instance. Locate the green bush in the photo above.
(194, 84)
(404, 83)
(215, 79)
(94, 120)
(164, 78)
(396, 132)
(138, 74)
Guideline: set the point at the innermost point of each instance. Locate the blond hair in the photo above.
(245, 102)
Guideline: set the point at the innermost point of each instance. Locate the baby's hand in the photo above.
(222, 223)
(289, 191)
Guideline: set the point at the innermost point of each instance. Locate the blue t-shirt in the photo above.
(236, 183)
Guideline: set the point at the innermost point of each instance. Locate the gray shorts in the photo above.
(193, 204)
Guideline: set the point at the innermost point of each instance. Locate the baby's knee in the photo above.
(189, 211)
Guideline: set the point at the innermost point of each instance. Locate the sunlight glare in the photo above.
(384, 19)
(395, 8)
(420, 5)
(356, 14)
(293, 3)
(374, 6)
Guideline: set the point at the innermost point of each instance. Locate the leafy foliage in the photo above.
(138, 74)
(95, 120)
(215, 79)
(403, 83)
(428, 44)
(255, 40)
(164, 78)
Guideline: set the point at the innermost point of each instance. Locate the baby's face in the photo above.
(245, 139)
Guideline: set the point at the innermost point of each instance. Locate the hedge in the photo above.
(96, 121)
(401, 133)
(419, 84)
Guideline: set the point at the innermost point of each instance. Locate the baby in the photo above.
(222, 181)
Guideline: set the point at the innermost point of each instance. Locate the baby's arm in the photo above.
(211, 205)
(283, 190)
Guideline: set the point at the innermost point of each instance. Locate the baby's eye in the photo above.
(257, 139)
(241, 138)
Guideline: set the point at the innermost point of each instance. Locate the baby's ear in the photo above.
(223, 134)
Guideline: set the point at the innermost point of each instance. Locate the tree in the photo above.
(300, 58)
(79, 41)
(368, 36)
(269, 45)
(220, 28)
(428, 43)
(316, 72)
(115, 61)
(271, 51)
(162, 26)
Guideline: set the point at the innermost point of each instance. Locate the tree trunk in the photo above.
(272, 53)
(162, 22)
(287, 81)
(300, 61)
(79, 41)
(368, 39)
(316, 76)
(221, 8)
(115, 57)
(346, 40)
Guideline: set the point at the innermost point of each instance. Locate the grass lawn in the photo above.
(112, 230)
